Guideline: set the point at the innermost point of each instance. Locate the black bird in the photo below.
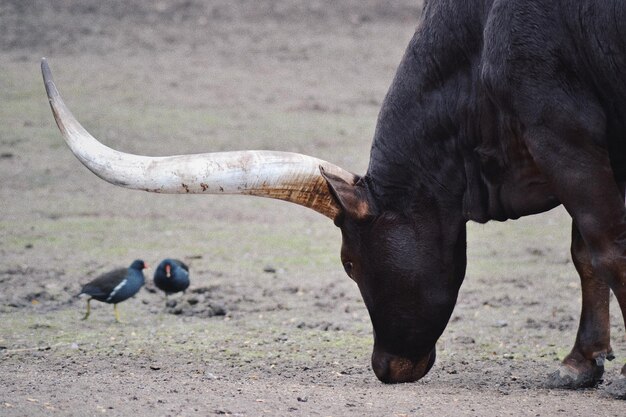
(115, 286)
(171, 276)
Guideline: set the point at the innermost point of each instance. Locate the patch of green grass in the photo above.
(249, 341)
(101, 234)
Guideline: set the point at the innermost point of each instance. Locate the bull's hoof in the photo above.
(568, 377)
(576, 372)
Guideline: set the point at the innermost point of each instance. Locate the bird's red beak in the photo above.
(168, 271)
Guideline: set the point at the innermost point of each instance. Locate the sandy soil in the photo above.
(270, 325)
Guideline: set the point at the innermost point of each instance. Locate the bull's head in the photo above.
(404, 269)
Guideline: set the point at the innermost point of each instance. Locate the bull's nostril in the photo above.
(392, 369)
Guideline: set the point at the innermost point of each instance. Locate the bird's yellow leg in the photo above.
(117, 314)
(88, 310)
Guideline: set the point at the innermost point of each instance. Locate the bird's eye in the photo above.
(347, 266)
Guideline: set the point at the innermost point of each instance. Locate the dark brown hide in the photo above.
(499, 109)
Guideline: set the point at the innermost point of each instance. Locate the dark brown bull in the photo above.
(499, 109)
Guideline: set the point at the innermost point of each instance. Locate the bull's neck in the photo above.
(425, 123)
(440, 135)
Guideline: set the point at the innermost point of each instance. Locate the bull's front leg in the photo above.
(581, 175)
(584, 365)
(617, 388)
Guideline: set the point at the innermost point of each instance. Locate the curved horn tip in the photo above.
(45, 69)
(47, 79)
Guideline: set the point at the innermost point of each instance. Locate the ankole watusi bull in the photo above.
(499, 109)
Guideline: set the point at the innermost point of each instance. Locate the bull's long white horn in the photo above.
(281, 175)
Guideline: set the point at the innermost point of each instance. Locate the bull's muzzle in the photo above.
(393, 369)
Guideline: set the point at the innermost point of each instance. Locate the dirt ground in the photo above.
(270, 325)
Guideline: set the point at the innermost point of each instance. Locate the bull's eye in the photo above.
(348, 268)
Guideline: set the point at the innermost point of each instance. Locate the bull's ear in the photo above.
(354, 198)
